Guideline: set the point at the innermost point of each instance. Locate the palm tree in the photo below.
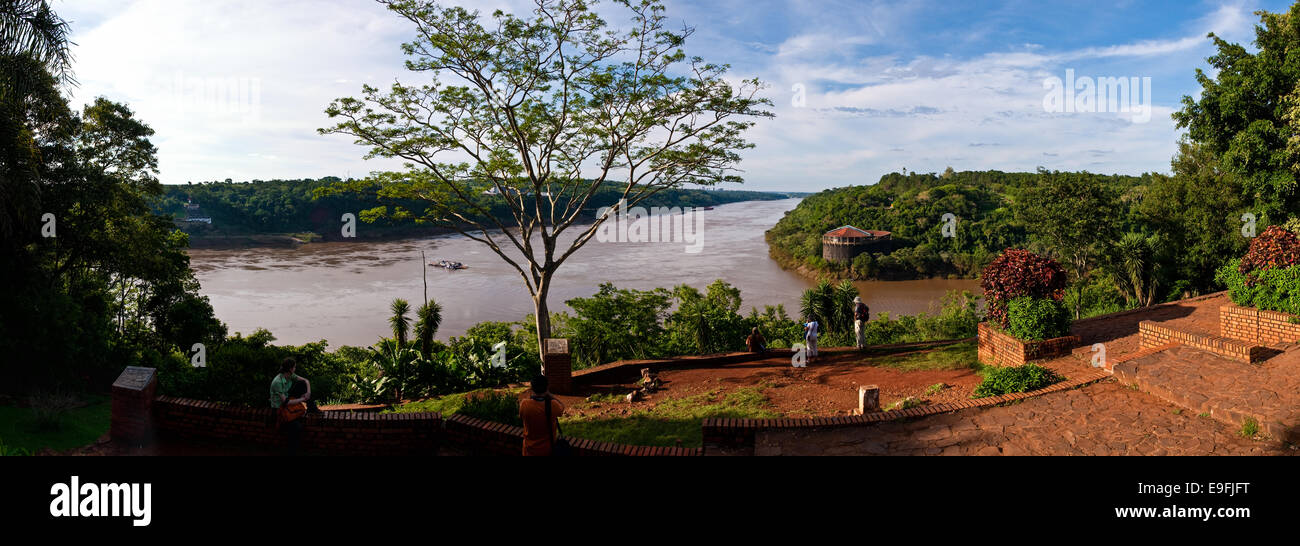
(400, 322)
(33, 40)
(29, 28)
(429, 318)
(1136, 267)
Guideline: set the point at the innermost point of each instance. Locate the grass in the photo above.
(906, 403)
(672, 419)
(935, 389)
(1249, 428)
(1203, 414)
(605, 399)
(950, 357)
(445, 405)
(22, 431)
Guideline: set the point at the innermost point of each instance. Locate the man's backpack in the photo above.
(862, 312)
(559, 446)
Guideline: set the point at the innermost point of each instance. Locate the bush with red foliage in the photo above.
(1276, 248)
(1018, 273)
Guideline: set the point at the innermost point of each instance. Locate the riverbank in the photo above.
(794, 265)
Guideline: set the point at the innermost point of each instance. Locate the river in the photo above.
(340, 292)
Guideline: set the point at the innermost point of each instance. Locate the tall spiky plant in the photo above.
(428, 319)
(843, 309)
(818, 303)
(400, 321)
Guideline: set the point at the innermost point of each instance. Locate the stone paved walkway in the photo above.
(1102, 419)
(1229, 391)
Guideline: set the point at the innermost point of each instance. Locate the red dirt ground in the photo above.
(826, 387)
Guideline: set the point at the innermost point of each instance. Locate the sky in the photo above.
(860, 88)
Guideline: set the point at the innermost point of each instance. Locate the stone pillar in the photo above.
(557, 364)
(133, 392)
(868, 399)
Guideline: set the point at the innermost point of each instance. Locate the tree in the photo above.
(1248, 114)
(400, 321)
(1197, 212)
(1134, 262)
(544, 111)
(428, 319)
(1074, 214)
(31, 29)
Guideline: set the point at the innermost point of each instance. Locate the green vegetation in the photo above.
(30, 429)
(1006, 380)
(949, 357)
(935, 389)
(1249, 428)
(673, 419)
(93, 280)
(905, 404)
(499, 406)
(307, 210)
(911, 207)
(1033, 319)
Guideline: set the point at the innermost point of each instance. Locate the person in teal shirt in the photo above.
(289, 388)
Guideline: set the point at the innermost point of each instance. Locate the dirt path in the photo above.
(1102, 419)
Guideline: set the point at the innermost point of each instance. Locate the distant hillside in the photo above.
(912, 206)
(264, 211)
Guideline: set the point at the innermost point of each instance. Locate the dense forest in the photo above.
(912, 207)
(1130, 240)
(303, 207)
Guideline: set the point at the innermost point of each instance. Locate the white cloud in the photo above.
(869, 111)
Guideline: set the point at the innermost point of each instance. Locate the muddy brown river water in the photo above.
(340, 292)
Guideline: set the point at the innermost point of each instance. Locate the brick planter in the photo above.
(1257, 325)
(999, 349)
(1154, 334)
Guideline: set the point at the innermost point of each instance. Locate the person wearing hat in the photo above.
(861, 314)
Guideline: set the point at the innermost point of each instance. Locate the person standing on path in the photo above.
(861, 314)
(539, 435)
(810, 338)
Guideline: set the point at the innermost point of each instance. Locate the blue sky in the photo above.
(920, 85)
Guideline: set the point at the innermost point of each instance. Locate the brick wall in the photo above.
(335, 433)
(479, 437)
(1257, 325)
(999, 349)
(133, 394)
(1154, 334)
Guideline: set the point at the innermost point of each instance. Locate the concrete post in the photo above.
(868, 399)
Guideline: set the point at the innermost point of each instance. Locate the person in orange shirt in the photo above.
(540, 435)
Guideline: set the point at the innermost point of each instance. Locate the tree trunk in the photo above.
(543, 316)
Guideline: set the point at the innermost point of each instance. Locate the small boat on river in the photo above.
(449, 265)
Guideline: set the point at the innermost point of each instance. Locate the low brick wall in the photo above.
(737, 436)
(999, 349)
(1155, 334)
(479, 437)
(1257, 325)
(335, 433)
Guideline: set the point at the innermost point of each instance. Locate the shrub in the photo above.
(1036, 318)
(1016, 273)
(50, 409)
(498, 407)
(1015, 379)
(1276, 248)
(1270, 289)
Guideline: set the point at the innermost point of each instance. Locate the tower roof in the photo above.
(850, 232)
